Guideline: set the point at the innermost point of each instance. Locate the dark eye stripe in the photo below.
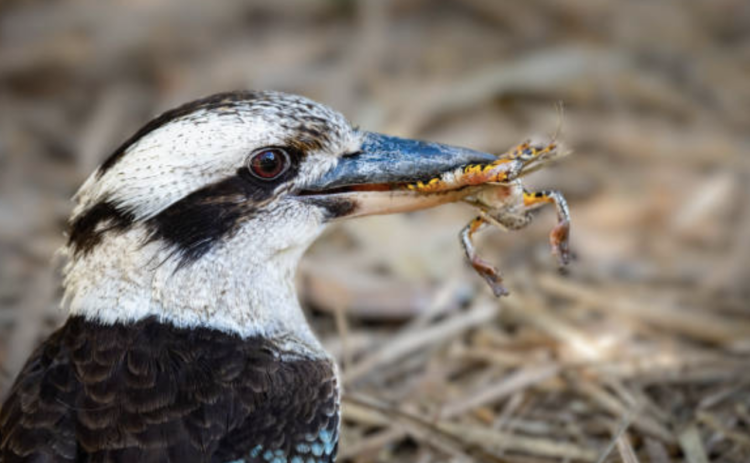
(87, 230)
(194, 224)
(209, 216)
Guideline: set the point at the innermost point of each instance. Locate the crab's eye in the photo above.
(269, 163)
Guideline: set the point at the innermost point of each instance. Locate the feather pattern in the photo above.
(152, 392)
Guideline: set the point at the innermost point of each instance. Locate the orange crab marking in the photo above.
(431, 186)
(475, 225)
(533, 198)
(519, 149)
(506, 168)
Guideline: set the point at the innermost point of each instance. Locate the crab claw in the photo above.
(491, 275)
(559, 240)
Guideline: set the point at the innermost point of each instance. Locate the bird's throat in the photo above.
(241, 288)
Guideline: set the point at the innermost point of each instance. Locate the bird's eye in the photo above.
(269, 163)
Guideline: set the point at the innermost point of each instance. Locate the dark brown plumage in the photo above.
(149, 392)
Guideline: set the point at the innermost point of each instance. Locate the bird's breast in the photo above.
(125, 392)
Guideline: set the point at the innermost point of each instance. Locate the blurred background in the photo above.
(641, 352)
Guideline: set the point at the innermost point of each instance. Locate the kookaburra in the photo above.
(185, 340)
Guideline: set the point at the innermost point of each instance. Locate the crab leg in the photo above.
(482, 267)
(559, 235)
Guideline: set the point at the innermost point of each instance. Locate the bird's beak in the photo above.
(375, 179)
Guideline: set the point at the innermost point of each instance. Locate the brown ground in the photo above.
(640, 353)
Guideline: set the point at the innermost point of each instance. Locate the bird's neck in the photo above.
(241, 287)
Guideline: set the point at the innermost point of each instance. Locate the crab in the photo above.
(502, 200)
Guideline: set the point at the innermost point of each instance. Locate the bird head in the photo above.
(200, 218)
